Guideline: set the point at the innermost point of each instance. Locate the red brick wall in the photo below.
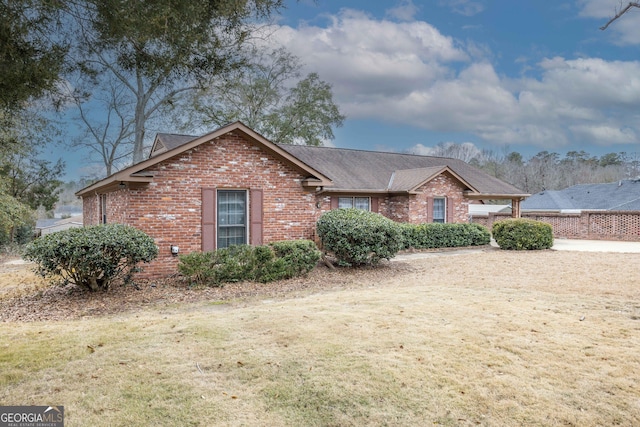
(169, 208)
(592, 225)
(90, 213)
(444, 185)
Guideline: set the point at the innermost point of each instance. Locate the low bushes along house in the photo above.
(234, 186)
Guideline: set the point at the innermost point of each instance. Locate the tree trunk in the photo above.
(140, 118)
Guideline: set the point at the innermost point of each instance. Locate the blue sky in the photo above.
(525, 75)
(516, 75)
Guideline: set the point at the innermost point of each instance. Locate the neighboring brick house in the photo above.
(234, 186)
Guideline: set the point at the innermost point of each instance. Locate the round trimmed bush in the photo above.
(92, 257)
(523, 234)
(358, 237)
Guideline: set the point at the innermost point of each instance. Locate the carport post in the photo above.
(515, 207)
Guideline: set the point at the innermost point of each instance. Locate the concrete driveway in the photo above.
(558, 245)
(595, 246)
(591, 246)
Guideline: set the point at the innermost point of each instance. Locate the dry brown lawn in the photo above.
(492, 338)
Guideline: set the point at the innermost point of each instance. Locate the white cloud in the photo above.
(409, 73)
(606, 132)
(464, 7)
(594, 81)
(357, 53)
(405, 11)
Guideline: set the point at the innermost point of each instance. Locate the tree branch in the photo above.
(620, 13)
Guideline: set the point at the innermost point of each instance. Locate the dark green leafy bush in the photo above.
(298, 257)
(434, 235)
(357, 237)
(277, 261)
(92, 257)
(523, 234)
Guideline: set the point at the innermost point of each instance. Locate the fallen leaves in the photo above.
(67, 303)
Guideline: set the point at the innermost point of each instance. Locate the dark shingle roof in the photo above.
(372, 170)
(619, 195)
(169, 141)
(407, 179)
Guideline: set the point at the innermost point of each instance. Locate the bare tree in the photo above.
(621, 12)
(110, 138)
(465, 151)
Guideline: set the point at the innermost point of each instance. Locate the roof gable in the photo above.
(168, 141)
(136, 174)
(411, 179)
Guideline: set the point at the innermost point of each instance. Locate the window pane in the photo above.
(228, 236)
(362, 203)
(232, 218)
(345, 202)
(438, 210)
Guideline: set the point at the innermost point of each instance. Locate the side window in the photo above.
(103, 209)
(363, 203)
(232, 218)
(439, 209)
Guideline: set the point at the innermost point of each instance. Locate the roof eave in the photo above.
(486, 196)
(114, 182)
(355, 191)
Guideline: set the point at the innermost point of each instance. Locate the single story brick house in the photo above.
(234, 186)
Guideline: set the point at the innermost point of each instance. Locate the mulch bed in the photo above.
(70, 302)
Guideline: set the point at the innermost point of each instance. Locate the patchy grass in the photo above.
(495, 338)
(17, 279)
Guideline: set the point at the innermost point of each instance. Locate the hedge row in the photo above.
(434, 235)
(276, 261)
(357, 237)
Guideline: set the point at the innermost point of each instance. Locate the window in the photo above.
(363, 203)
(439, 209)
(103, 209)
(232, 218)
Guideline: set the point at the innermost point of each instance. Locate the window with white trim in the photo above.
(363, 203)
(439, 209)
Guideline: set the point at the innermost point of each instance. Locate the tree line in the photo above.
(545, 170)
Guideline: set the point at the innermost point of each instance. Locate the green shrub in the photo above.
(198, 267)
(277, 261)
(297, 257)
(357, 237)
(523, 234)
(92, 257)
(435, 235)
